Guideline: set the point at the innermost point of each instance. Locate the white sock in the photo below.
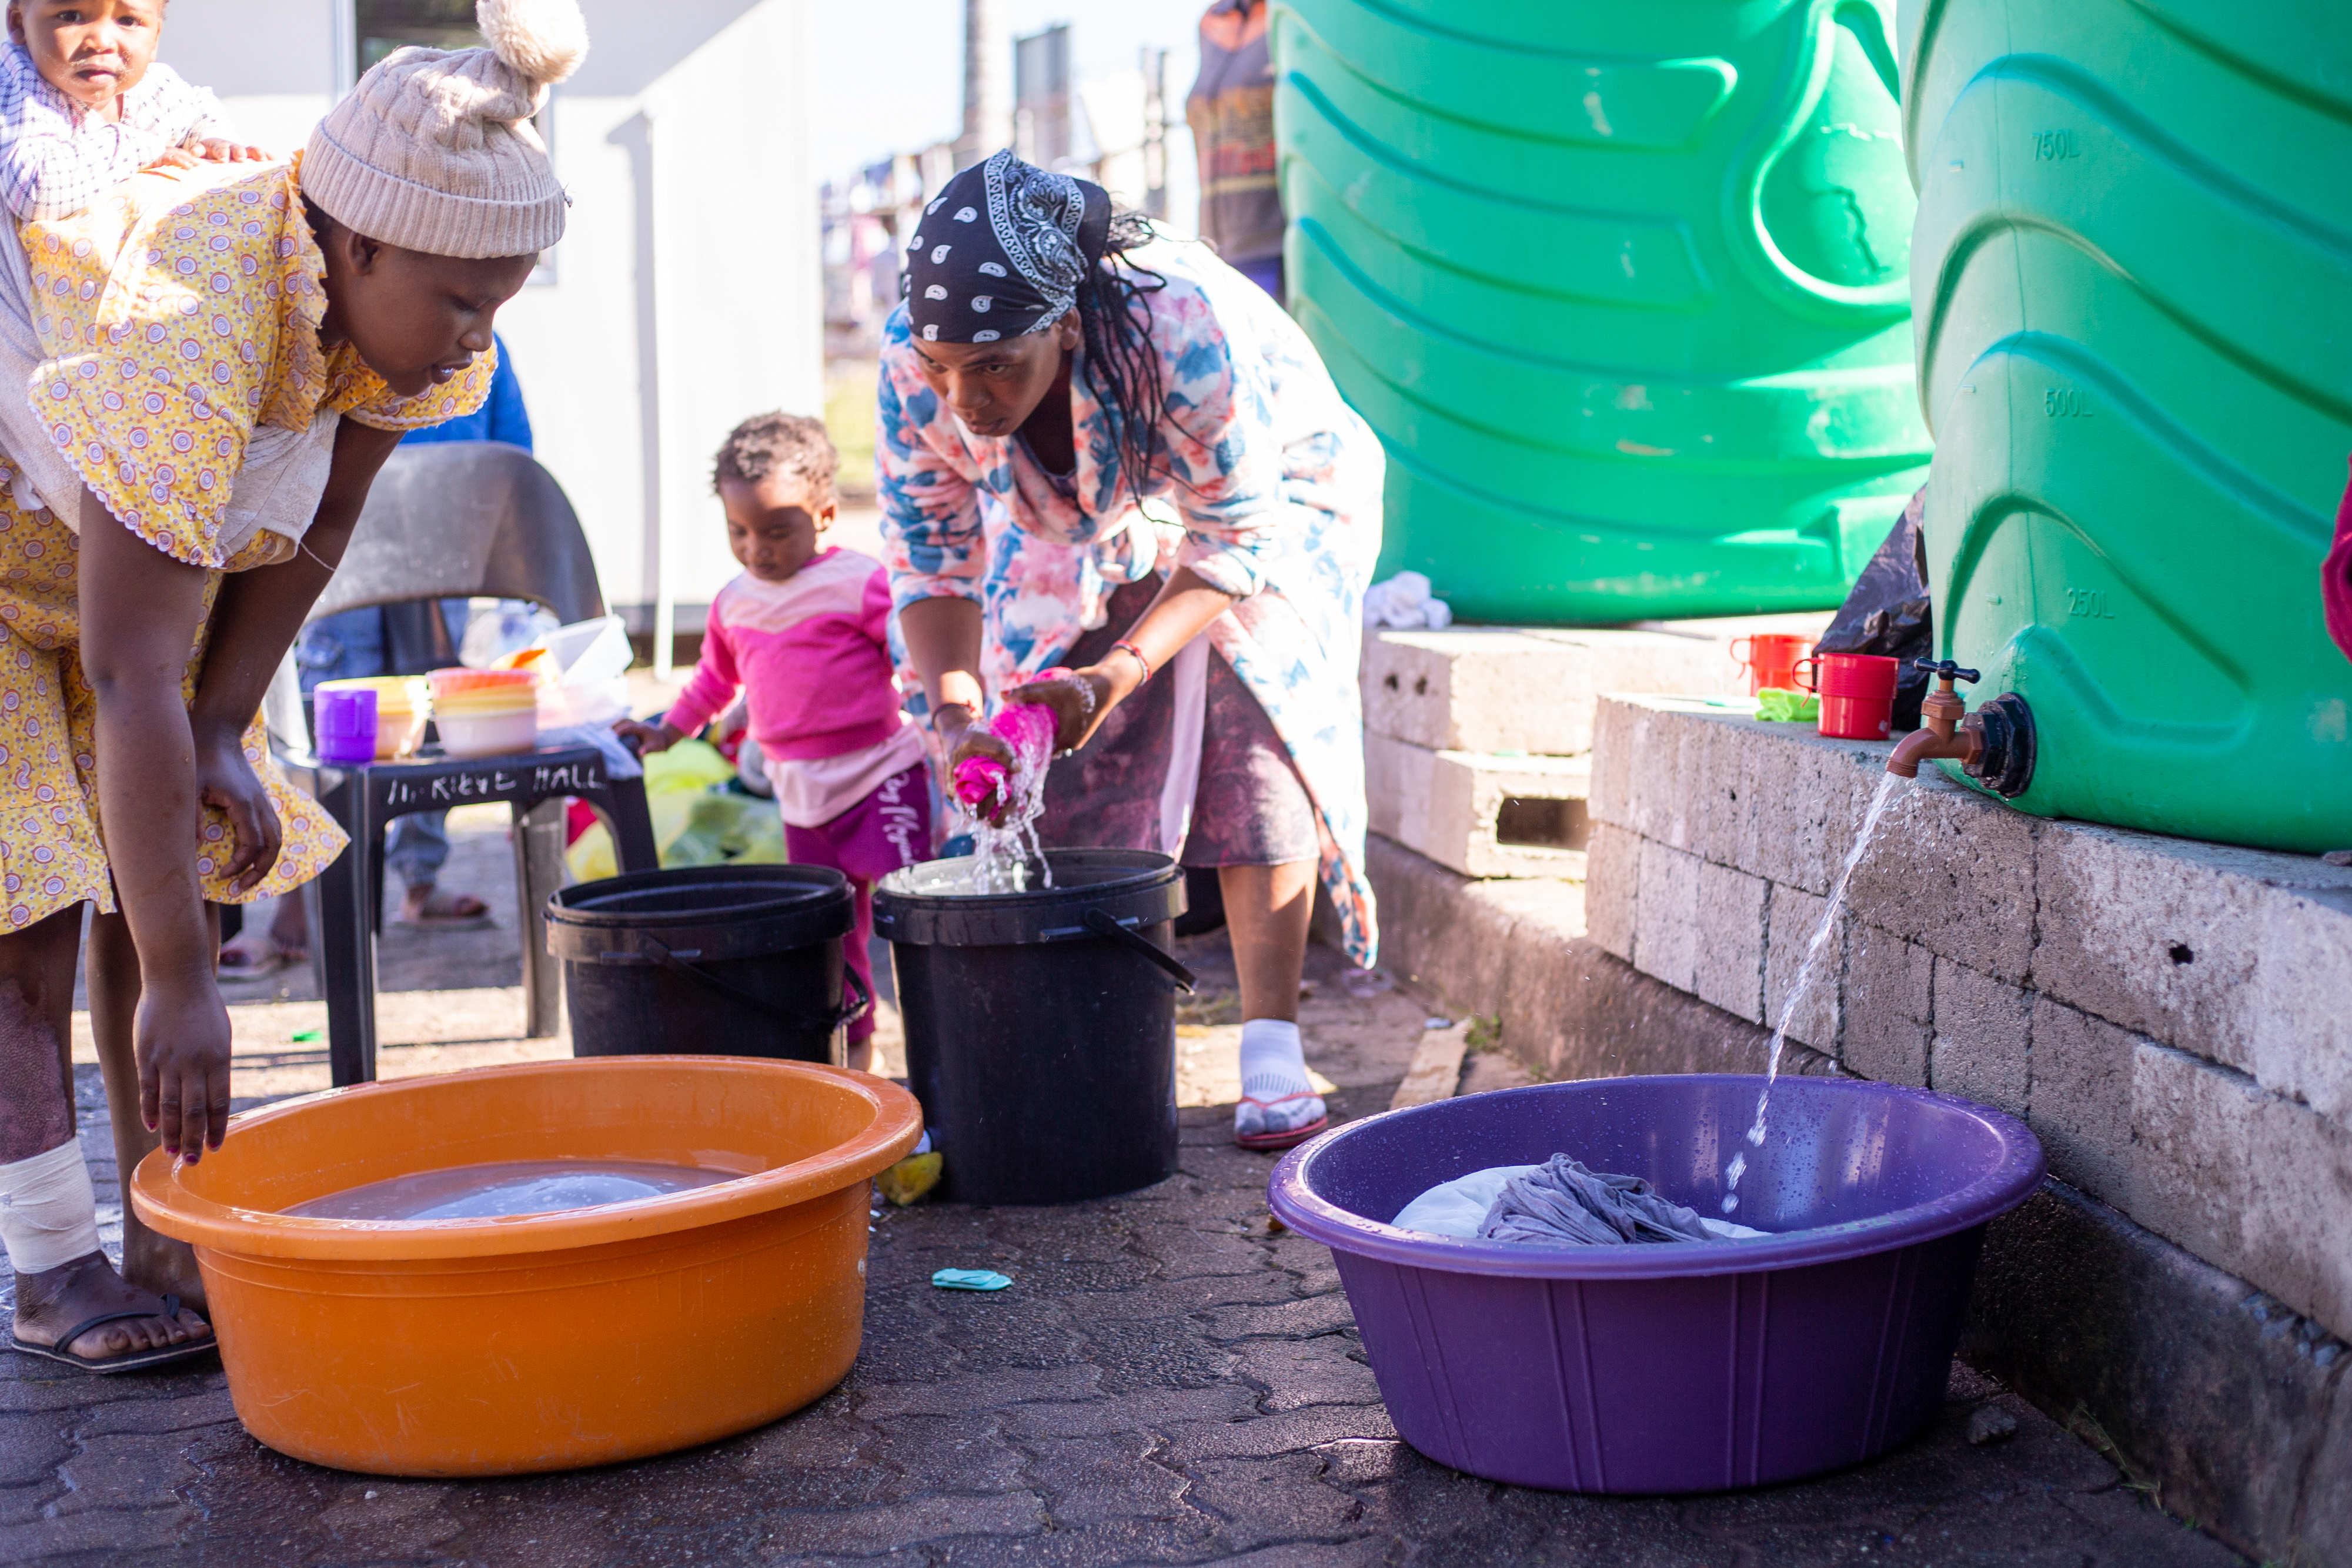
(48, 1211)
(1273, 1066)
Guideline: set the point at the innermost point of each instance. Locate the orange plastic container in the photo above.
(450, 683)
(540, 1342)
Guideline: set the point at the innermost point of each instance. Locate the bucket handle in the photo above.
(1104, 924)
(847, 1013)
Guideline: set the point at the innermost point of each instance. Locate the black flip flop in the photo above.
(130, 1361)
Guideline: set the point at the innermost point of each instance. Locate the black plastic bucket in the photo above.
(1041, 1026)
(719, 960)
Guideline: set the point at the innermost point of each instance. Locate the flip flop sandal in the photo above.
(437, 919)
(264, 958)
(1291, 1139)
(129, 1361)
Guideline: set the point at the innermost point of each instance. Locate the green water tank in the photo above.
(2133, 277)
(1622, 284)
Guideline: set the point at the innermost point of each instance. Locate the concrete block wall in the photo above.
(2167, 1016)
(1460, 721)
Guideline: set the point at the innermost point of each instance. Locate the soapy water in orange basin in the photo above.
(547, 1340)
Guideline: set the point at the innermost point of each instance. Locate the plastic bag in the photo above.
(588, 662)
(676, 781)
(1404, 603)
(725, 828)
(501, 627)
(1889, 612)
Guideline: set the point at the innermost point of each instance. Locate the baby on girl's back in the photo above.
(84, 105)
(802, 634)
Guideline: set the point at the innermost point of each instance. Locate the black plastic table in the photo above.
(365, 800)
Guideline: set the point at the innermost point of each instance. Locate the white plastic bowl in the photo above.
(489, 734)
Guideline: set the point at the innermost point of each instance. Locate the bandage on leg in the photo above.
(49, 1210)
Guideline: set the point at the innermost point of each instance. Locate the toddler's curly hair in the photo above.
(790, 445)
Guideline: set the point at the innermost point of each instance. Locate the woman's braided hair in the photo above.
(1123, 367)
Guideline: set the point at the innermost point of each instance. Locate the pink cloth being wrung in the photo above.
(1027, 729)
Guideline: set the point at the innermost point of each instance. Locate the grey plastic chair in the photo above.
(466, 520)
(460, 520)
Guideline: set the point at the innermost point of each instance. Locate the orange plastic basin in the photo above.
(540, 1342)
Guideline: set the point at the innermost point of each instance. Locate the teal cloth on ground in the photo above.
(970, 1279)
(1788, 707)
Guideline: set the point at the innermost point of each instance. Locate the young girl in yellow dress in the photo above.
(187, 322)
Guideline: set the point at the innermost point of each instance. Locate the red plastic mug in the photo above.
(1771, 658)
(1857, 693)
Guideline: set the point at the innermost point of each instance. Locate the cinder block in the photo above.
(1793, 916)
(2298, 1227)
(1518, 949)
(2235, 954)
(1482, 688)
(1889, 992)
(1671, 809)
(1723, 804)
(1478, 688)
(1612, 874)
(1453, 937)
(1615, 727)
(2080, 1103)
(1810, 798)
(2205, 1384)
(1463, 809)
(1954, 871)
(1983, 1036)
(2326, 1511)
(2190, 1156)
(1654, 765)
(1728, 967)
(1666, 918)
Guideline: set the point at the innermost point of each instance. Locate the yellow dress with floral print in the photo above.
(180, 313)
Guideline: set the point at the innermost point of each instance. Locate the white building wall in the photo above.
(687, 293)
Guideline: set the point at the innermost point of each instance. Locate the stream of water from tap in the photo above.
(1802, 984)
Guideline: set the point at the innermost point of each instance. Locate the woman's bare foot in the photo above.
(50, 1303)
(155, 1263)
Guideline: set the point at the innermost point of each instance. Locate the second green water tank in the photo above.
(2132, 269)
(1622, 284)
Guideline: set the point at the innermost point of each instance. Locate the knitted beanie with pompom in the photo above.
(434, 151)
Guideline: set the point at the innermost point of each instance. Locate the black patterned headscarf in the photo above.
(1001, 252)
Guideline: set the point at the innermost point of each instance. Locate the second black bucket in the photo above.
(1041, 1026)
(724, 960)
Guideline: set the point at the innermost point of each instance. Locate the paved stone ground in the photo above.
(1166, 1382)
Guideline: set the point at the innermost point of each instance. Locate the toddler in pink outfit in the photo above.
(804, 636)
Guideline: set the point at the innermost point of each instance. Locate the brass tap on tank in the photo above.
(1994, 744)
(1944, 729)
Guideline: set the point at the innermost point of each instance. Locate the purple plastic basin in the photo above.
(1679, 1367)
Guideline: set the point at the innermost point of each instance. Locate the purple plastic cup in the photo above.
(345, 721)
(1678, 1367)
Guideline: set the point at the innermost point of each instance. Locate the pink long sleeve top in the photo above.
(811, 656)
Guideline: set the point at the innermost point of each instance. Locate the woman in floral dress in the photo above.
(151, 583)
(1097, 446)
